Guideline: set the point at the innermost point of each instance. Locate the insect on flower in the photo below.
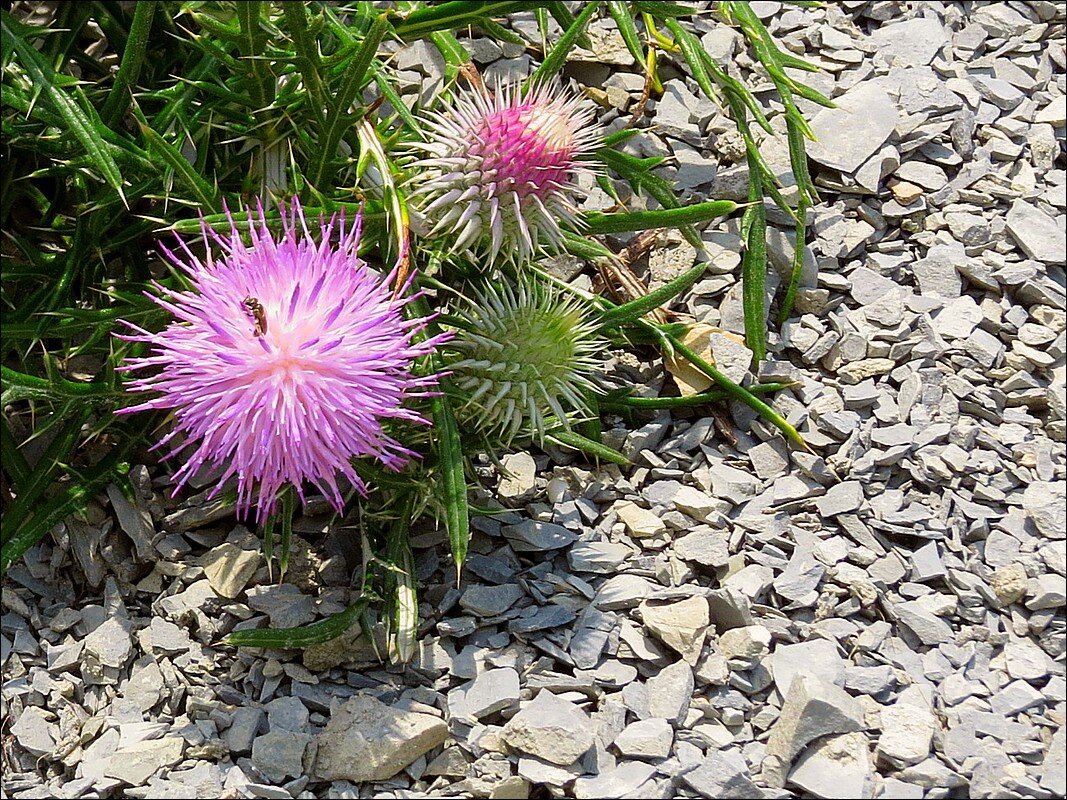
(296, 401)
(259, 316)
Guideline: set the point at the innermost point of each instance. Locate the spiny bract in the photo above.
(284, 362)
(501, 169)
(526, 355)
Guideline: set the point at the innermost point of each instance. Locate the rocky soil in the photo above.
(727, 618)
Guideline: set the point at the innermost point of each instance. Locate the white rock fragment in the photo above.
(492, 691)
(228, 568)
(907, 733)
(366, 740)
(520, 479)
(136, 764)
(836, 767)
(550, 728)
(1045, 502)
(34, 732)
(646, 738)
(669, 692)
(639, 522)
(680, 625)
(1040, 236)
(746, 645)
(813, 708)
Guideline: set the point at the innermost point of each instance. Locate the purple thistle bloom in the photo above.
(284, 362)
(500, 172)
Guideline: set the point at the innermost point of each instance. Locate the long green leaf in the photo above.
(20, 386)
(454, 483)
(303, 636)
(620, 12)
(44, 472)
(754, 267)
(637, 308)
(320, 174)
(82, 120)
(130, 66)
(71, 501)
(700, 399)
(453, 15)
(737, 392)
(588, 446)
(597, 223)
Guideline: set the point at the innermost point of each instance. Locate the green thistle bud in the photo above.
(526, 358)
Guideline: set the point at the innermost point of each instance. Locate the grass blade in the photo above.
(452, 15)
(754, 267)
(450, 457)
(597, 223)
(320, 174)
(620, 12)
(700, 399)
(72, 500)
(735, 391)
(118, 97)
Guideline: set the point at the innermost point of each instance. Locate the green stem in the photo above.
(130, 67)
(737, 392)
(700, 399)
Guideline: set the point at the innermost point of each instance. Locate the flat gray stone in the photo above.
(1045, 502)
(680, 625)
(818, 657)
(669, 692)
(723, 774)
(848, 135)
(534, 536)
(34, 732)
(1040, 236)
(279, 754)
(621, 782)
(492, 691)
(646, 738)
(138, 762)
(913, 42)
(284, 603)
(708, 548)
(907, 733)
(245, 726)
(930, 628)
(490, 601)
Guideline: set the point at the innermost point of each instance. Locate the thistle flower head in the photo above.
(501, 170)
(525, 355)
(284, 361)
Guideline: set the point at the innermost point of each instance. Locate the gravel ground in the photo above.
(726, 619)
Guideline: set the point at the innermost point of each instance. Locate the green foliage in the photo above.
(219, 103)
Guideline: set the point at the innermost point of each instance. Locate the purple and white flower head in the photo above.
(500, 170)
(285, 361)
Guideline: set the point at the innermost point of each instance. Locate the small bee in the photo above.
(255, 308)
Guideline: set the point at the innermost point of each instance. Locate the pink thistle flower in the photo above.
(501, 170)
(285, 361)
